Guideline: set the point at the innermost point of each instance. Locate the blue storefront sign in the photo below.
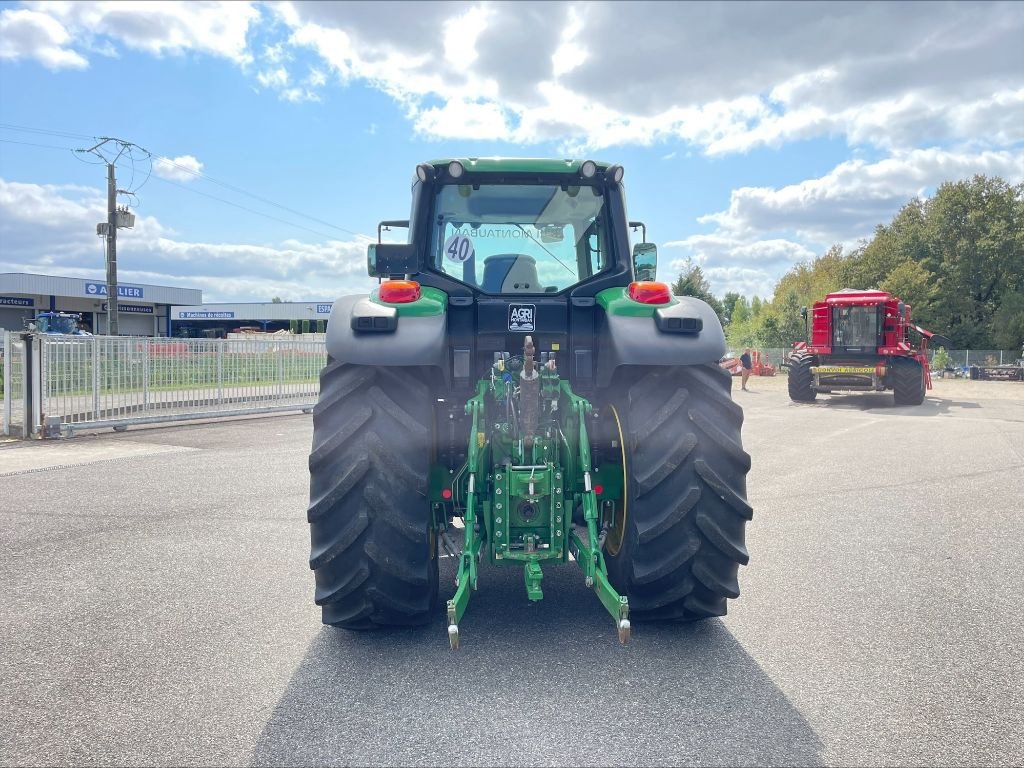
(124, 291)
(206, 315)
(16, 301)
(324, 309)
(131, 309)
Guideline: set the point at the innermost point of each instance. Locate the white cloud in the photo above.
(273, 78)
(183, 168)
(884, 75)
(848, 201)
(52, 228)
(48, 30)
(725, 79)
(29, 34)
(765, 230)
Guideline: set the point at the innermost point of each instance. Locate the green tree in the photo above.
(276, 300)
(728, 302)
(691, 282)
(1008, 322)
(740, 310)
(914, 284)
(976, 231)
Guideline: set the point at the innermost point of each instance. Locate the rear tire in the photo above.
(908, 384)
(686, 492)
(373, 551)
(800, 379)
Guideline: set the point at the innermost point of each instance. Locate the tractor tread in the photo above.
(339, 489)
(368, 513)
(705, 607)
(800, 380)
(645, 573)
(339, 591)
(341, 541)
(673, 515)
(687, 506)
(730, 445)
(908, 382)
(671, 595)
(326, 450)
(718, 580)
(734, 501)
(682, 445)
(723, 542)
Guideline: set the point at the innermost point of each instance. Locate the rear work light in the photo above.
(399, 291)
(649, 292)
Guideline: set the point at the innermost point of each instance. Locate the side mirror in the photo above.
(645, 261)
(386, 259)
(803, 312)
(902, 309)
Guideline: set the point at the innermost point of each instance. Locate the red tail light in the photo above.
(399, 291)
(649, 292)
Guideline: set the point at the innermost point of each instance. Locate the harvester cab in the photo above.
(518, 388)
(861, 341)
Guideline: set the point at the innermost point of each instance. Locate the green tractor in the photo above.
(519, 388)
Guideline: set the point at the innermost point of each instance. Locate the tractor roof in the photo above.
(517, 164)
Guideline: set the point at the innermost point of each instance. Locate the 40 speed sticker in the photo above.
(458, 248)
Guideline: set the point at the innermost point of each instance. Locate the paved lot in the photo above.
(156, 609)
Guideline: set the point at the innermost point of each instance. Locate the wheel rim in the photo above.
(616, 526)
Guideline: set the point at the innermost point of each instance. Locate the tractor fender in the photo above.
(630, 340)
(415, 341)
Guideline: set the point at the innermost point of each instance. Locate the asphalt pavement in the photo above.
(156, 609)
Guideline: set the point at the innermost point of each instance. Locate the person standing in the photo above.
(747, 367)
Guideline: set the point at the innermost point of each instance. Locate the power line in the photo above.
(233, 188)
(44, 131)
(33, 144)
(244, 208)
(185, 169)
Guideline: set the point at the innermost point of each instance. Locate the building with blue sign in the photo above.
(143, 310)
(220, 319)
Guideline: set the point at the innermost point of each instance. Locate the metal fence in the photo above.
(100, 381)
(958, 358)
(13, 351)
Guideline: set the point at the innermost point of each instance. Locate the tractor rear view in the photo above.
(859, 341)
(518, 390)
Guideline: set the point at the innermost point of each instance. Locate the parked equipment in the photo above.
(58, 324)
(859, 341)
(518, 388)
(759, 366)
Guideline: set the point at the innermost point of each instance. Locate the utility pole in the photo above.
(112, 329)
(114, 220)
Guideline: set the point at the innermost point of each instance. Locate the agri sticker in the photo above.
(521, 317)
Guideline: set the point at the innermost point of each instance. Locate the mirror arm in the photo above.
(643, 228)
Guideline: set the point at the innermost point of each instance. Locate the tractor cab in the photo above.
(531, 227)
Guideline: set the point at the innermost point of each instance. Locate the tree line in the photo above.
(956, 258)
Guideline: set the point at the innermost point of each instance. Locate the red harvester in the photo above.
(858, 341)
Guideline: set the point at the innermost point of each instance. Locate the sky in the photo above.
(754, 136)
